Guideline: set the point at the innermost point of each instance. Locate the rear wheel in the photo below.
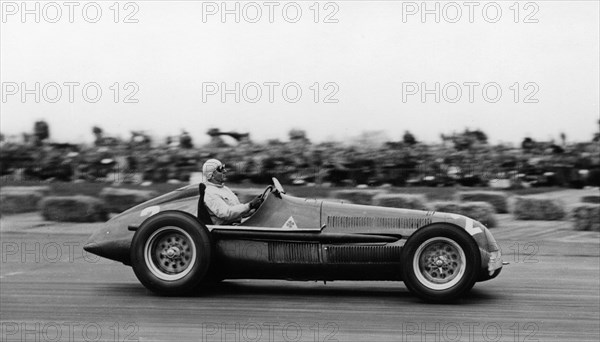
(440, 263)
(171, 253)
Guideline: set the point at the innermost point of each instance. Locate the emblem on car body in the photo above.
(290, 223)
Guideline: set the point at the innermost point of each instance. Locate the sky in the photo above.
(333, 68)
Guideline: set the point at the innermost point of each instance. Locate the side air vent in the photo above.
(362, 254)
(294, 253)
(379, 222)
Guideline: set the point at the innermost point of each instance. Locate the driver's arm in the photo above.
(224, 211)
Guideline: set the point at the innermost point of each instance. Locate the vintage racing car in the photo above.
(173, 250)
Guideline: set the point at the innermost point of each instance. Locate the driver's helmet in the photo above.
(210, 166)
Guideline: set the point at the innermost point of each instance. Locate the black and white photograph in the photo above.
(299, 171)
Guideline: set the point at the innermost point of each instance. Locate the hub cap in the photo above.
(439, 263)
(170, 253)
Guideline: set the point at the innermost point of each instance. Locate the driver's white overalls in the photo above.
(223, 205)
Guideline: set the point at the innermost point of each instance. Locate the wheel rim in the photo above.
(439, 263)
(170, 253)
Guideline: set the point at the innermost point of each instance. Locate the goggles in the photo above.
(221, 168)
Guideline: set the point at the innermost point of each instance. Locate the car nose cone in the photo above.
(117, 250)
(92, 247)
(100, 249)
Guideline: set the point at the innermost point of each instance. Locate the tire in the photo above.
(171, 253)
(440, 263)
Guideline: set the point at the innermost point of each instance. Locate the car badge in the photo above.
(290, 224)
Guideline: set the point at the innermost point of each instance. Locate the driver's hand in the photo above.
(255, 203)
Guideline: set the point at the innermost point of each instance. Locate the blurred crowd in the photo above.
(465, 158)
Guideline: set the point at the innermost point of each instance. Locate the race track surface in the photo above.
(51, 291)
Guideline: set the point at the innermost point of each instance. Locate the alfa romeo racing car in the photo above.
(174, 249)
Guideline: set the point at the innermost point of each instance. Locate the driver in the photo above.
(223, 205)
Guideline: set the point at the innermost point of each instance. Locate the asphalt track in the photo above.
(51, 291)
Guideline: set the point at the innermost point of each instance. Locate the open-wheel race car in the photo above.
(174, 249)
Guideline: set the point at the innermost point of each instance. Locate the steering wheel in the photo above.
(267, 190)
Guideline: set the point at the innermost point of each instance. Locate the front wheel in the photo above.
(171, 253)
(440, 263)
